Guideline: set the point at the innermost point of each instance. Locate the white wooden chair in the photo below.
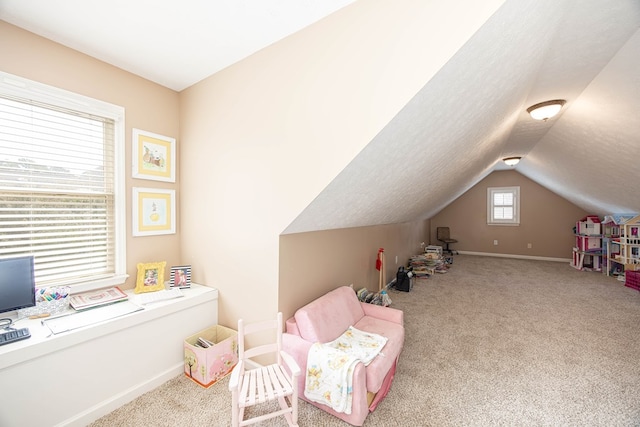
(250, 387)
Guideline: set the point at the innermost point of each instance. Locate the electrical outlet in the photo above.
(495, 243)
(529, 246)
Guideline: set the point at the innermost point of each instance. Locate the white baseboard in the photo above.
(537, 258)
(114, 402)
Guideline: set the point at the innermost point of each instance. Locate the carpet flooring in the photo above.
(493, 342)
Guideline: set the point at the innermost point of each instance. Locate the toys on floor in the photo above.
(376, 298)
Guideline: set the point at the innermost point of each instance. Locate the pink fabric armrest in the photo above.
(298, 349)
(385, 313)
(291, 327)
(378, 368)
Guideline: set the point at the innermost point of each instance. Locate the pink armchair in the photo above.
(328, 317)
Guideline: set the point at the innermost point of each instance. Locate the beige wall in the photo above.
(546, 220)
(314, 263)
(148, 106)
(265, 136)
(258, 141)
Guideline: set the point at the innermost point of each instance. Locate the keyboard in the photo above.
(14, 335)
(158, 296)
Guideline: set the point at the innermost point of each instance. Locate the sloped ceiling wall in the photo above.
(455, 130)
(591, 157)
(468, 117)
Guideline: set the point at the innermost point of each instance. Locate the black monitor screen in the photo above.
(17, 283)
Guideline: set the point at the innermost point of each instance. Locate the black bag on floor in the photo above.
(403, 280)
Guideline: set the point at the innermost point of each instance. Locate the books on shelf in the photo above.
(97, 298)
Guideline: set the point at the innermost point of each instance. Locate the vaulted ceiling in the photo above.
(455, 130)
(472, 113)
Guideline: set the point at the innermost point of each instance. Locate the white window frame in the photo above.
(491, 220)
(20, 87)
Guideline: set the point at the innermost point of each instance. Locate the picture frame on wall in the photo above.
(180, 276)
(153, 211)
(154, 156)
(150, 277)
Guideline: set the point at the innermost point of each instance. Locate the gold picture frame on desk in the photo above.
(150, 277)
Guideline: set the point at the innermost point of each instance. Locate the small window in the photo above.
(503, 205)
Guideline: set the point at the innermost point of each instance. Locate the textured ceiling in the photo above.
(457, 127)
(468, 117)
(591, 156)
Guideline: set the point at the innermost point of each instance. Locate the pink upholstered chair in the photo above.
(327, 318)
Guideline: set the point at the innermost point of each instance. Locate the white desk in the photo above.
(75, 377)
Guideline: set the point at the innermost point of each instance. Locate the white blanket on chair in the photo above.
(329, 375)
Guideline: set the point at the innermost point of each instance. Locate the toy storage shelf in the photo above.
(632, 279)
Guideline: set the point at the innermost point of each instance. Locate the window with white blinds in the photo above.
(503, 205)
(59, 187)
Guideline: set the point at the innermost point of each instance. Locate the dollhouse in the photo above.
(587, 253)
(622, 247)
(611, 232)
(630, 244)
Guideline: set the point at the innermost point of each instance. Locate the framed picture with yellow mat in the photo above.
(153, 211)
(150, 277)
(153, 156)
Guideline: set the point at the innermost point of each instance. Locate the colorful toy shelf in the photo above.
(611, 245)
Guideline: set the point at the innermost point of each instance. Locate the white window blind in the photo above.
(58, 190)
(503, 205)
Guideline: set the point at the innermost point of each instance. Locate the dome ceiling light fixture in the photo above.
(546, 110)
(511, 161)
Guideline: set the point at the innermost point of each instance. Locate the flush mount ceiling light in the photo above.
(511, 161)
(546, 110)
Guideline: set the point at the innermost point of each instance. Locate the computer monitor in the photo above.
(17, 283)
